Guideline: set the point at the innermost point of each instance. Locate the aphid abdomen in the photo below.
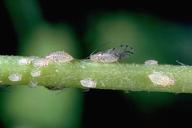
(59, 56)
(110, 58)
(104, 58)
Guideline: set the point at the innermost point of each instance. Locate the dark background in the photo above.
(75, 13)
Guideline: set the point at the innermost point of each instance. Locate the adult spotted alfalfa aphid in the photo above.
(112, 55)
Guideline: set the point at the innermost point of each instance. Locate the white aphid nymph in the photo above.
(112, 55)
(59, 56)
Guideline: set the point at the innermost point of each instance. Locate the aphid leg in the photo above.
(124, 54)
(129, 52)
(113, 49)
(54, 88)
(118, 63)
(121, 45)
(126, 47)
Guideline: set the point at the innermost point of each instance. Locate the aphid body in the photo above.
(112, 55)
(103, 57)
(59, 56)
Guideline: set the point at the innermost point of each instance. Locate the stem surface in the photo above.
(116, 76)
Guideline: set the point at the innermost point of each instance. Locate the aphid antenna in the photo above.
(182, 64)
(88, 57)
(93, 52)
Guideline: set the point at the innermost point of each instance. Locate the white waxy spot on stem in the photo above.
(88, 82)
(151, 62)
(159, 78)
(24, 61)
(15, 77)
(35, 73)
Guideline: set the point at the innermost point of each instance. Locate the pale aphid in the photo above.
(112, 55)
(59, 56)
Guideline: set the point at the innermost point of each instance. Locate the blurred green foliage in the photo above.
(39, 107)
(49, 38)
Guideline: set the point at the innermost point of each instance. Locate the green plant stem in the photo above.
(116, 76)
